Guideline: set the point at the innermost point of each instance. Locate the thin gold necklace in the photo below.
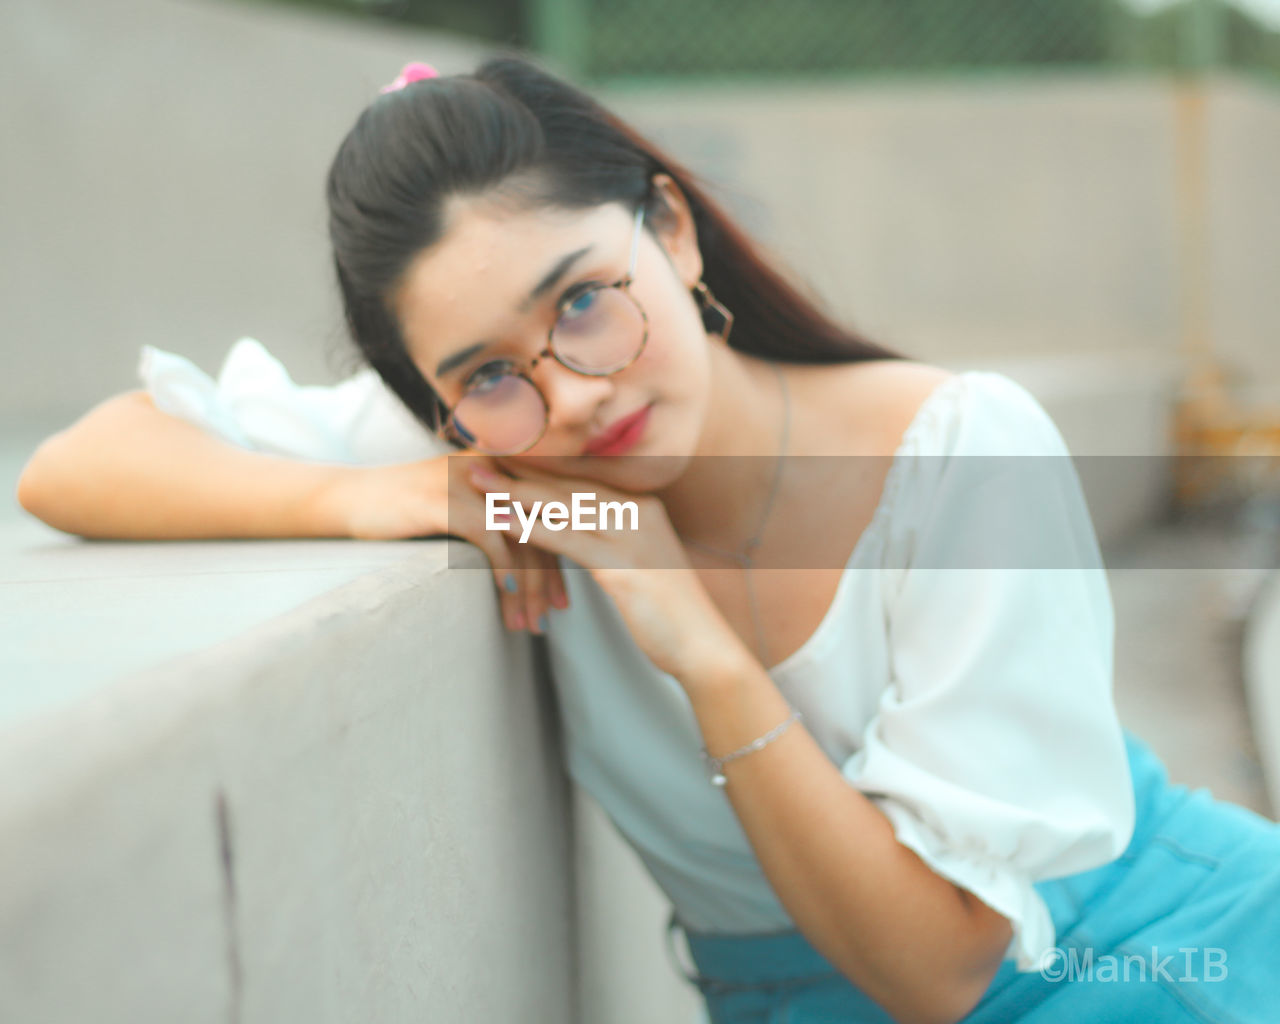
(745, 558)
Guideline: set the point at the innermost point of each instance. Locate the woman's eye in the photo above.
(580, 304)
(486, 377)
(582, 314)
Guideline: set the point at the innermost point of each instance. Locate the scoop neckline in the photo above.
(924, 415)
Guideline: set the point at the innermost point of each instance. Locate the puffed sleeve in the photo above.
(996, 752)
(255, 404)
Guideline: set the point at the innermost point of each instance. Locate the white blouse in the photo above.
(960, 679)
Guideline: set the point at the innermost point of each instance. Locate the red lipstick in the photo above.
(620, 435)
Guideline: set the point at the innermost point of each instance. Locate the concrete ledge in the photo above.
(354, 810)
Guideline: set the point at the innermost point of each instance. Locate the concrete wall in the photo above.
(163, 184)
(1244, 241)
(337, 813)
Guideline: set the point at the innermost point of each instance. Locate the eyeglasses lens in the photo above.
(504, 414)
(598, 333)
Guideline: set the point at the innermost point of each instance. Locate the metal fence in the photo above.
(608, 39)
(612, 39)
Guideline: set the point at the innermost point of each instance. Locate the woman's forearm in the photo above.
(126, 470)
(903, 934)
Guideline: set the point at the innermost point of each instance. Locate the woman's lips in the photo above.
(621, 435)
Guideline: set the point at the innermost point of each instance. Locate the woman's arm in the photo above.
(126, 470)
(914, 942)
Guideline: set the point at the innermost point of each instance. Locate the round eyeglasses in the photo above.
(599, 330)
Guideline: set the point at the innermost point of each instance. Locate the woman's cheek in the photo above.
(677, 343)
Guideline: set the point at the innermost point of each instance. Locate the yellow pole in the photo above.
(1203, 405)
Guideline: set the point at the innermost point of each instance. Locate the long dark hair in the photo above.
(511, 123)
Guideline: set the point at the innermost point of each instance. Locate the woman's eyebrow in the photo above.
(552, 277)
(549, 281)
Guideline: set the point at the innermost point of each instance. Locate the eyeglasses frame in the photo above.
(453, 433)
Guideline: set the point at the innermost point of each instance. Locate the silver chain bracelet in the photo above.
(715, 765)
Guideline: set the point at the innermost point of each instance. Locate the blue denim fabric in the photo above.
(1198, 874)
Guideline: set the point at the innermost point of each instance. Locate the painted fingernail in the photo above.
(542, 623)
(510, 583)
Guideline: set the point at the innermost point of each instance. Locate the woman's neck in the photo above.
(721, 495)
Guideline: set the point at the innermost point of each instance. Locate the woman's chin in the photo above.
(656, 462)
(639, 474)
(636, 474)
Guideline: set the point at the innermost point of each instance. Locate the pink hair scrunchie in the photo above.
(414, 72)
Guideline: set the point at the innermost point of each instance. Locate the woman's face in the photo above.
(493, 287)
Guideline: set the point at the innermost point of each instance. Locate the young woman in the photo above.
(887, 783)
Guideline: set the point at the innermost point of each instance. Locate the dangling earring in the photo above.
(715, 318)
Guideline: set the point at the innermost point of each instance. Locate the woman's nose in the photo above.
(572, 398)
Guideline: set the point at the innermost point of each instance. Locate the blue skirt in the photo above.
(1184, 926)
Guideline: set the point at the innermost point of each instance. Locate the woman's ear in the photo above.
(674, 227)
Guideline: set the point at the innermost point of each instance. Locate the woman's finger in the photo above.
(504, 564)
(531, 577)
(557, 592)
(469, 523)
(552, 591)
(538, 583)
(467, 519)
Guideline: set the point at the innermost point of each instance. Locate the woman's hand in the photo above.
(645, 571)
(433, 497)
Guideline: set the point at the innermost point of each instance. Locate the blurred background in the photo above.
(1080, 193)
